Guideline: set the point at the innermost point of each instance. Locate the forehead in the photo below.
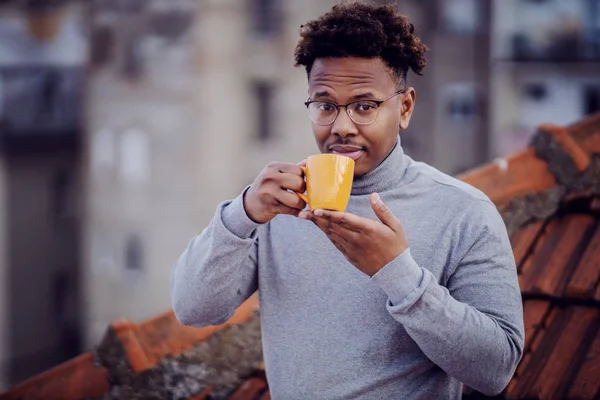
(347, 74)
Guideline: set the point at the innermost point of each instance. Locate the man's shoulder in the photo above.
(439, 183)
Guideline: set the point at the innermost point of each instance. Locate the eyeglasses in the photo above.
(361, 112)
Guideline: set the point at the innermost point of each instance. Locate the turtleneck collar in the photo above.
(385, 176)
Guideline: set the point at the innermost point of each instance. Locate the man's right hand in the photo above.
(268, 195)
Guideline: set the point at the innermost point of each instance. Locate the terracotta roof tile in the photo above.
(76, 379)
(204, 395)
(252, 389)
(535, 312)
(523, 240)
(564, 138)
(149, 342)
(512, 177)
(558, 260)
(565, 350)
(266, 396)
(557, 256)
(586, 134)
(561, 357)
(585, 384)
(587, 274)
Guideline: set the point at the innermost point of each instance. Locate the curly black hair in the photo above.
(363, 30)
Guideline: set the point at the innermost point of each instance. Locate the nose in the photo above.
(343, 126)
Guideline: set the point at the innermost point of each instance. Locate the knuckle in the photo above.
(270, 175)
(269, 201)
(383, 207)
(300, 183)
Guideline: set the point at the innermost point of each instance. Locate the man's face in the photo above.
(342, 80)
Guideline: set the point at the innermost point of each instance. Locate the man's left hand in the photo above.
(369, 245)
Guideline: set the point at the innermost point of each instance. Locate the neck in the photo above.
(387, 175)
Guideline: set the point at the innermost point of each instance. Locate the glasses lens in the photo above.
(363, 112)
(322, 113)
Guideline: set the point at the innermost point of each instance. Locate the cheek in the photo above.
(321, 134)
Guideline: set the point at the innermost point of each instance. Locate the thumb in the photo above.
(384, 214)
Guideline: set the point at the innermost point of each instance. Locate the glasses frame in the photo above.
(337, 108)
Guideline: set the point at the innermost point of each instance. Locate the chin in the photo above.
(360, 170)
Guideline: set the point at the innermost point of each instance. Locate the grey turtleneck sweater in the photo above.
(445, 312)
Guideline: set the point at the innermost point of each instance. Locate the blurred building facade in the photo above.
(186, 102)
(120, 139)
(449, 126)
(545, 63)
(42, 63)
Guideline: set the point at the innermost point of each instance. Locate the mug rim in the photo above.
(329, 155)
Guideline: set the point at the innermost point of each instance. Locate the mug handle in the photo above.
(302, 195)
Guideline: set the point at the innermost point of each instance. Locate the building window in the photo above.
(134, 254)
(591, 100)
(172, 20)
(63, 195)
(133, 59)
(102, 44)
(536, 91)
(263, 98)
(461, 16)
(461, 103)
(266, 17)
(102, 149)
(135, 157)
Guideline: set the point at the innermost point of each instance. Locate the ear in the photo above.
(408, 100)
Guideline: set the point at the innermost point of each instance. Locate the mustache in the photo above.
(345, 142)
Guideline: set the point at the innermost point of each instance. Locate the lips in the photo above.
(354, 152)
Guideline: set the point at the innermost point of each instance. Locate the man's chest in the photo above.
(296, 252)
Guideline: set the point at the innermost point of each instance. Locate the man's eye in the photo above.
(325, 107)
(365, 106)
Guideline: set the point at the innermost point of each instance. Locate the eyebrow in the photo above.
(361, 96)
(321, 94)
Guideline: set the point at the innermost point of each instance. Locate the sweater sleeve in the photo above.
(473, 328)
(218, 270)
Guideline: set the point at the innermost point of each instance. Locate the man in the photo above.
(410, 293)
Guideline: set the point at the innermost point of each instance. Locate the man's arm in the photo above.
(473, 329)
(218, 270)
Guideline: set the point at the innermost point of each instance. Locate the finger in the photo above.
(345, 220)
(292, 182)
(283, 209)
(321, 223)
(384, 214)
(287, 168)
(338, 242)
(291, 200)
(307, 215)
(331, 228)
(348, 235)
(325, 226)
(302, 163)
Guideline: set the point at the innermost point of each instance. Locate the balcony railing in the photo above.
(563, 48)
(41, 102)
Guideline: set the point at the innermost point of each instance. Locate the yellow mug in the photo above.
(328, 181)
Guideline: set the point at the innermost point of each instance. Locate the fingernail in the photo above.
(319, 213)
(376, 197)
(302, 215)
